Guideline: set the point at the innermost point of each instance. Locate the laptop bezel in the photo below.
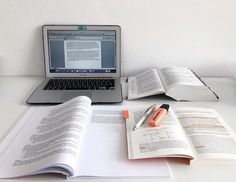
(116, 28)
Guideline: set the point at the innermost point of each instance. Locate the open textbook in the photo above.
(198, 134)
(176, 82)
(73, 139)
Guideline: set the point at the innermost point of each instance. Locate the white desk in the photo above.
(15, 90)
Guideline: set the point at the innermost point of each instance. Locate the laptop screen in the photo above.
(82, 51)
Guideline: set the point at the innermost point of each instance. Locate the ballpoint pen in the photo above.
(145, 115)
(158, 114)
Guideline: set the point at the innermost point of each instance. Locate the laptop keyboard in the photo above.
(80, 84)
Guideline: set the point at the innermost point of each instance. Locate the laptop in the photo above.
(80, 60)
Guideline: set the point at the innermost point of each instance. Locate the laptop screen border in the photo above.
(116, 28)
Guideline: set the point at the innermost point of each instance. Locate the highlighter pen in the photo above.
(158, 115)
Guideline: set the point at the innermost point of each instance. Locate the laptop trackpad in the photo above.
(70, 95)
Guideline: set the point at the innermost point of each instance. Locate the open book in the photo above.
(73, 139)
(198, 134)
(176, 82)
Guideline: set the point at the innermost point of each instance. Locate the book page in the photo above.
(177, 75)
(210, 136)
(45, 137)
(166, 140)
(144, 84)
(104, 152)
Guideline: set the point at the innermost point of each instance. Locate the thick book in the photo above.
(179, 83)
(197, 134)
(74, 139)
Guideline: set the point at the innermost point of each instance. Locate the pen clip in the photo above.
(152, 106)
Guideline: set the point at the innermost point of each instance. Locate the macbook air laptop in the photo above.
(80, 60)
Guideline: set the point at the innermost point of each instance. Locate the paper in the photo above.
(208, 132)
(166, 140)
(105, 154)
(178, 75)
(144, 84)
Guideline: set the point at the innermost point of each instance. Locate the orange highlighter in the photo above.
(158, 114)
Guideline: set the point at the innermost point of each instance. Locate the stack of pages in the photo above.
(75, 140)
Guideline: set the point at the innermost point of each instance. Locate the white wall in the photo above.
(200, 34)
